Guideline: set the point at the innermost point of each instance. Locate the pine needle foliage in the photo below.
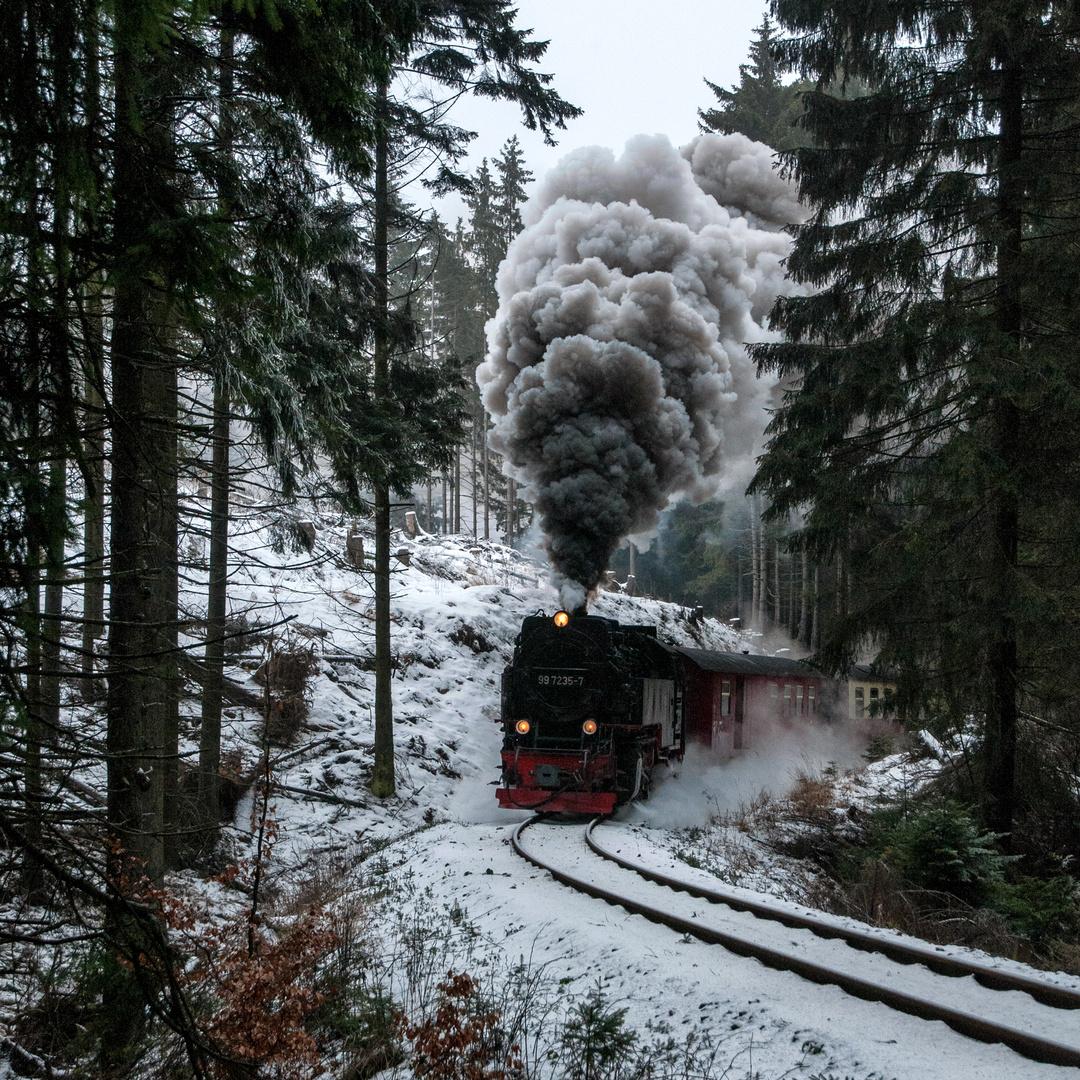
(930, 429)
(761, 106)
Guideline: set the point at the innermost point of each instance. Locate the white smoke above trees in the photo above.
(617, 375)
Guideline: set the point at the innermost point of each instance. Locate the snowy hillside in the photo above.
(457, 607)
(445, 875)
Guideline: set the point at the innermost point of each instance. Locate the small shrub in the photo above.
(287, 672)
(463, 1040)
(878, 747)
(942, 849)
(812, 798)
(1044, 911)
(63, 1017)
(286, 534)
(263, 998)
(472, 639)
(365, 1020)
(242, 635)
(595, 1043)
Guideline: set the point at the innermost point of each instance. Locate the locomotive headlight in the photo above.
(589, 727)
(562, 618)
(522, 727)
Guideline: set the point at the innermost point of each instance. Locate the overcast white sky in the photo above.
(633, 65)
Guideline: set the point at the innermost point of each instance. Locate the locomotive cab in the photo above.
(588, 707)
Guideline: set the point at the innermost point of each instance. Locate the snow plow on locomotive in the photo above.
(589, 706)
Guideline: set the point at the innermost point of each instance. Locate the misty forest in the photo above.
(304, 411)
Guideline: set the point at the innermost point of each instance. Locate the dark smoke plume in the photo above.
(616, 373)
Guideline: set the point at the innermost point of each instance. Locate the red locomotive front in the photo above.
(588, 707)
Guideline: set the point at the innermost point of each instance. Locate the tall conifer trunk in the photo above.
(162, 708)
(135, 739)
(93, 611)
(804, 597)
(217, 597)
(487, 498)
(472, 477)
(209, 808)
(382, 776)
(457, 491)
(31, 627)
(54, 609)
(60, 365)
(1005, 442)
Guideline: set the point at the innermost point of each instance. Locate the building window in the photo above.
(725, 698)
(773, 690)
(811, 699)
(860, 703)
(798, 699)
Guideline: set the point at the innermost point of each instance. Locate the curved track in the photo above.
(745, 933)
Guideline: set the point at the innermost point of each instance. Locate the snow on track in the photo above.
(457, 607)
(780, 1022)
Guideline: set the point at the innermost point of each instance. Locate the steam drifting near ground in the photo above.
(702, 787)
(617, 373)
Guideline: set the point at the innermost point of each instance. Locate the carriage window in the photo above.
(798, 699)
(860, 706)
(725, 698)
(811, 695)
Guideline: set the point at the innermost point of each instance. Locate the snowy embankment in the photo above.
(443, 843)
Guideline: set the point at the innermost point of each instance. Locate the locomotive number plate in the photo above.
(559, 678)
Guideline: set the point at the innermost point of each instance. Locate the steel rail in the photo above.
(1058, 997)
(1029, 1046)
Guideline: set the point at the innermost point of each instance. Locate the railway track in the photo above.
(993, 1006)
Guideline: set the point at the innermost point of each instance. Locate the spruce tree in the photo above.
(931, 431)
(513, 181)
(761, 106)
(463, 46)
(487, 234)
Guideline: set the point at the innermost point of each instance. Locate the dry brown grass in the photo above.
(288, 673)
(813, 798)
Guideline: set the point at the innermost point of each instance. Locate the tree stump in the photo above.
(354, 549)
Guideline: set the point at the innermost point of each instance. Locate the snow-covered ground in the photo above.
(444, 843)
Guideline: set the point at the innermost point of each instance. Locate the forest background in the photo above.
(213, 283)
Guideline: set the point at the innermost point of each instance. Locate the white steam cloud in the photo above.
(617, 373)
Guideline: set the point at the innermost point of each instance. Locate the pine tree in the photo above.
(513, 181)
(463, 46)
(487, 234)
(761, 106)
(933, 431)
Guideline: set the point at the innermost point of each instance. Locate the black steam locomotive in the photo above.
(588, 707)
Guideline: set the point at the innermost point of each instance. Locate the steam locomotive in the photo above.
(589, 706)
